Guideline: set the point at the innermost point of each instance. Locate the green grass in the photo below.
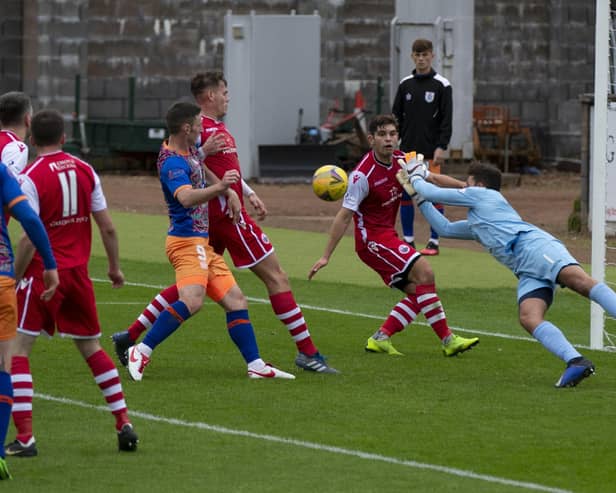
(487, 421)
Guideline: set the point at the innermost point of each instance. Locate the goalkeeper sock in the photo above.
(554, 341)
(604, 296)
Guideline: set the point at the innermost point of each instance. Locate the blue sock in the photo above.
(606, 297)
(554, 341)
(407, 216)
(6, 404)
(242, 334)
(434, 234)
(167, 323)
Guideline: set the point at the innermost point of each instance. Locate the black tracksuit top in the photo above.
(423, 106)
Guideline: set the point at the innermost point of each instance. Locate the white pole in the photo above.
(598, 164)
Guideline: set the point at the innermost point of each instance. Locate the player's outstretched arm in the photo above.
(110, 242)
(445, 181)
(336, 232)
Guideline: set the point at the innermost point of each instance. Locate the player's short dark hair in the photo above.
(381, 120)
(14, 106)
(486, 173)
(206, 80)
(47, 127)
(420, 45)
(180, 113)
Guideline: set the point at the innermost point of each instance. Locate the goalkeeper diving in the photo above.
(538, 259)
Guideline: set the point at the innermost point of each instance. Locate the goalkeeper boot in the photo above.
(4, 470)
(456, 344)
(381, 346)
(121, 343)
(316, 363)
(19, 449)
(127, 438)
(577, 370)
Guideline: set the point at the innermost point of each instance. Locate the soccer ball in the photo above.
(329, 182)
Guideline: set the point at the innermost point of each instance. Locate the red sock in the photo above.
(431, 307)
(400, 316)
(148, 316)
(290, 314)
(23, 390)
(108, 380)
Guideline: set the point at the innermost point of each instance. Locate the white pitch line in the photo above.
(369, 316)
(315, 446)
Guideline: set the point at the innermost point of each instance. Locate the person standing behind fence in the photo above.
(423, 106)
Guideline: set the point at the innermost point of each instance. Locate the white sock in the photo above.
(257, 365)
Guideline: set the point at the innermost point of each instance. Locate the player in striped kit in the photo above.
(248, 246)
(199, 271)
(65, 192)
(15, 202)
(372, 202)
(15, 117)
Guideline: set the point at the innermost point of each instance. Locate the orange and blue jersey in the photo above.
(13, 199)
(177, 172)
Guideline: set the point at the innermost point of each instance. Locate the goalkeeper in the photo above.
(538, 260)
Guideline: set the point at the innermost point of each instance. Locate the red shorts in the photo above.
(195, 262)
(389, 256)
(8, 308)
(72, 310)
(246, 243)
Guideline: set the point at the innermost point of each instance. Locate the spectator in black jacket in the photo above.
(423, 106)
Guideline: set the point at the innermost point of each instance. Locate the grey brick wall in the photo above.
(11, 35)
(535, 56)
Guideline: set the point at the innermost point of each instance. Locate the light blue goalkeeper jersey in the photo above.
(491, 220)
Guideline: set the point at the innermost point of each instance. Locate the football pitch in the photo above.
(489, 420)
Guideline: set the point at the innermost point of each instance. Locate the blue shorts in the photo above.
(539, 259)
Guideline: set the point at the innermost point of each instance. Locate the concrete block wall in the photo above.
(11, 35)
(535, 56)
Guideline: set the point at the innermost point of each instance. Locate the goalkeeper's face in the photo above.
(384, 142)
